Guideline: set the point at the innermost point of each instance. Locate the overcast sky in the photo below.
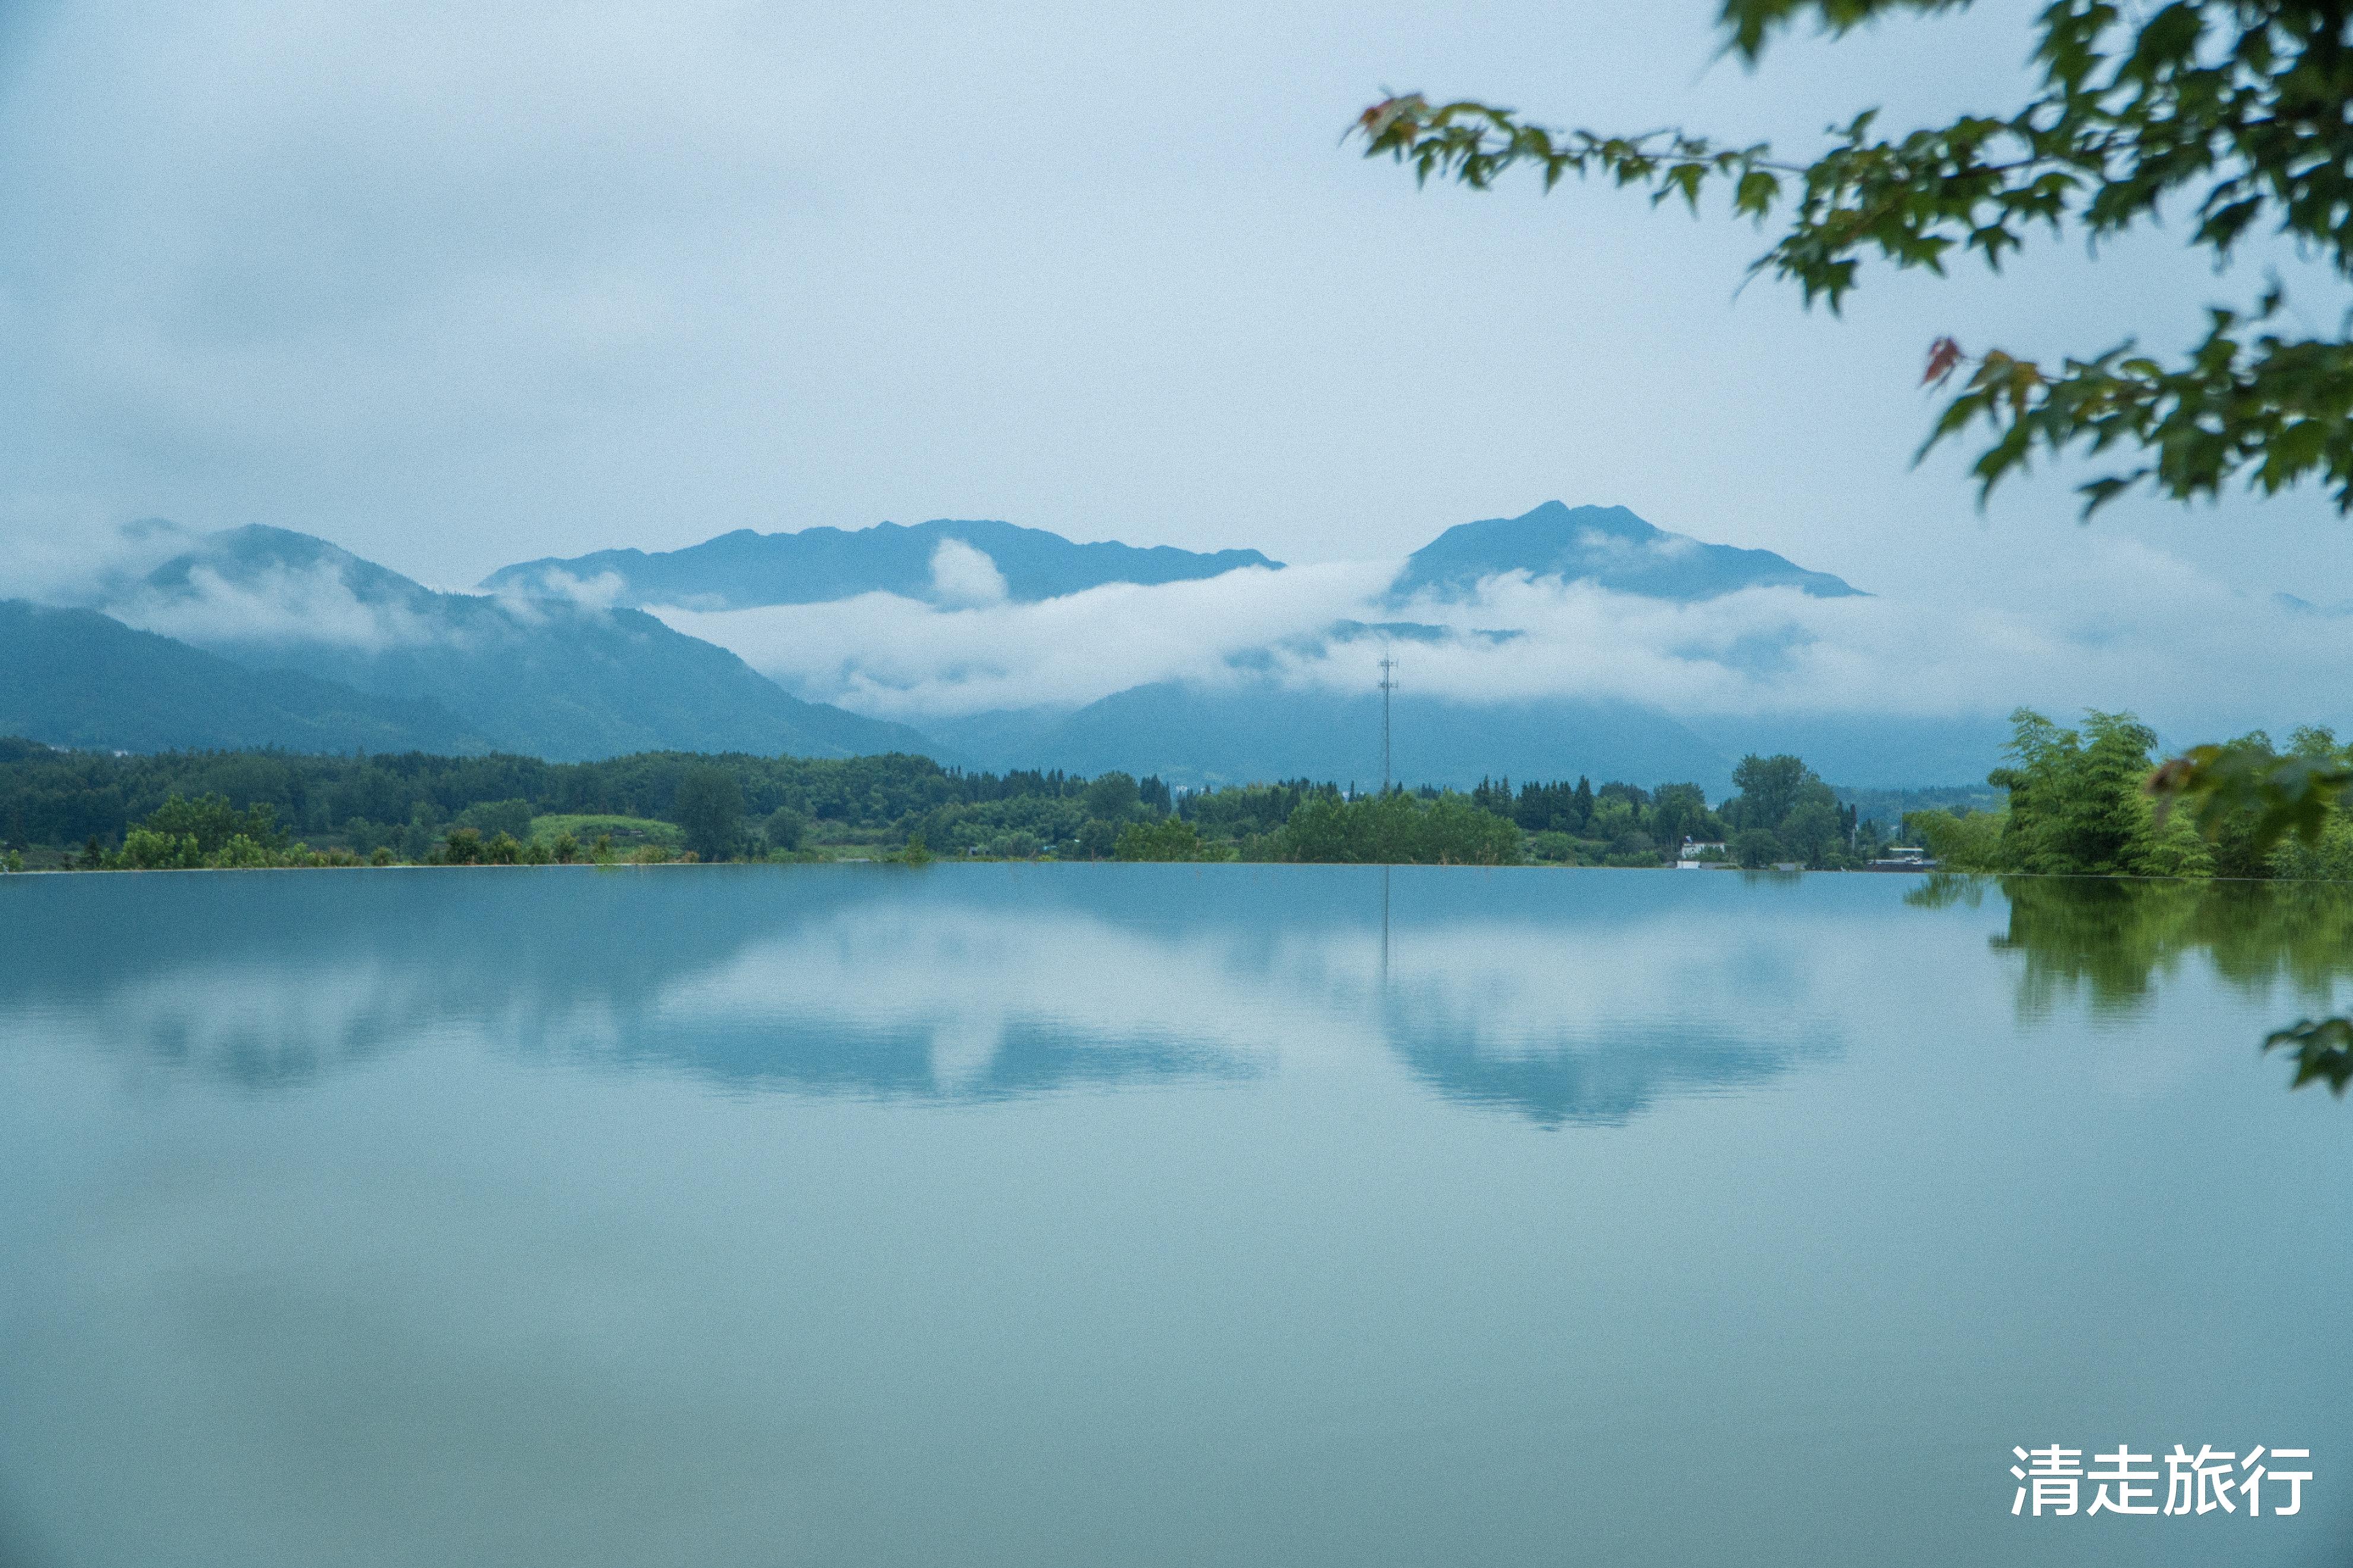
(456, 285)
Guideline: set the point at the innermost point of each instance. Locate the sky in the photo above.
(456, 287)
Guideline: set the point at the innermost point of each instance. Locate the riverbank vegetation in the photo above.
(2065, 801)
(2077, 802)
(62, 809)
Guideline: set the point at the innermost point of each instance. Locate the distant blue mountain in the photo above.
(1605, 546)
(551, 678)
(77, 679)
(1257, 730)
(301, 644)
(1260, 731)
(1874, 750)
(743, 569)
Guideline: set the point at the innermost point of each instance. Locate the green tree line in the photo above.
(2073, 801)
(276, 808)
(2079, 802)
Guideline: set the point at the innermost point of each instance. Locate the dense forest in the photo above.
(87, 809)
(2065, 802)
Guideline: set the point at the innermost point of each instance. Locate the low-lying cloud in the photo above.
(901, 658)
(218, 602)
(277, 605)
(2104, 622)
(601, 592)
(58, 555)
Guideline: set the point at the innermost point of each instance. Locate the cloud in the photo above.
(2104, 622)
(601, 592)
(963, 575)
(895, 656)
(275, 605)
(60, 554)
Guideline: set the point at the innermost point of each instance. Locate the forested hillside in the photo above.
(77, 677)
(83, 808)
(2067, 802)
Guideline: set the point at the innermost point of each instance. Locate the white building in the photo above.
(1695, 855)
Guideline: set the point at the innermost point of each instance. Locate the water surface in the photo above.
(1152, 1214)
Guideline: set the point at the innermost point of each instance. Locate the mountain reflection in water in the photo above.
(1522, 991)
(874, 1215)
(1570, 999)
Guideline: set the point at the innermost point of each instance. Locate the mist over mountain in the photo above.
(77, 679)
(1562, 641)
(744, 569)
(1874, 751)
(1605, 545)
(554, 678)
(1195, 737)
(1258, 730)
(1558, 641)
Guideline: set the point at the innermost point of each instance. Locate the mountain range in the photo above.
(742, 570)
(385, 663)
(262, 635)
(75, 678)
(1259, 730)
(1605, 546)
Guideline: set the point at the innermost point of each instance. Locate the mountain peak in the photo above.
(248, 554)
(744, 569)
(1609, 546)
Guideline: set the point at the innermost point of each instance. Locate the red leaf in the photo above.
(1942, 355)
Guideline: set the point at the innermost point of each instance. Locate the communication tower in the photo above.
(1388, 684)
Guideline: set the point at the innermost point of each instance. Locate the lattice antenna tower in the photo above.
(1388, 684)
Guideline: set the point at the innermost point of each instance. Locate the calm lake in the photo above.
(1109, 1215)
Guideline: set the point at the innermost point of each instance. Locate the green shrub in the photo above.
(1400, 830)
(209, 820)
(244, 854)
(785, 828)
(1170, 838)
(144, 849)
(1960, 843)
(1556, 847)
(491, 818)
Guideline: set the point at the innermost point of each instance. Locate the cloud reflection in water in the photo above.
(1523, 992)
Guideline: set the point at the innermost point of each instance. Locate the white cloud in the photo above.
(964, 576)
(60, 554)
(2104, 622)
(883, 654)
(601, 592)
(277, 605)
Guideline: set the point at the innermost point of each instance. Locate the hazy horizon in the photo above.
(456, 292)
